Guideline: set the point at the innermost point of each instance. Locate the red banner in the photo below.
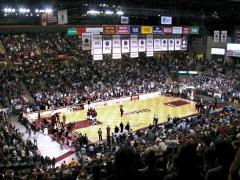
(81, 30)
(167, 30)
(186, 30)
(123, 29)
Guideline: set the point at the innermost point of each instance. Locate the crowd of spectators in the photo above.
(196, 147)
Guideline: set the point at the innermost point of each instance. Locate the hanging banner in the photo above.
(86, 41)
(116, 44)
(184, 43)
(109, 29)
(166, 20)
(116, 56)
(194, 30)
(186, 30)
(164, 44)
(62, 17)
(122, 29)
(167, 30)
(157, 44)
(107, 45)
(149, 54)
(134, 55)
(97, 57)
(124, 19)
(177, 30)
(157, 30)
(146, 29)
(97, 44)
(142, 44)
(223, 36)
(178, 43)
(135, 29)
(125, 45)
(171, 44)
(216, 36)
(133, 43)
(149, 43)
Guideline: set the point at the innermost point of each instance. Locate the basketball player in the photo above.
(121, 110)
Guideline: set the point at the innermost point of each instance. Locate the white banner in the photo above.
(86, 41)
(125, 45)
(149, 43)
(171, 44)
(134, 55)
(133, 43)
(107, 45)
(116, 56)
(184, 43)
(216, 36)
(164, 44)
(223, 36)
(178, 43)
(157, 44)
(142, 45)
(149, 54)
(166, 20)
(116, 42)
(62, 17)
(97, 44)
(177, 30)
(97, 57)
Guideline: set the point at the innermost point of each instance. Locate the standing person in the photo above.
(64, 119)
(35, 137)
(155, 119)
(116, 129)
(108, 130)
(127, 127)
(121, 127)
(100, 134)
(121, 110)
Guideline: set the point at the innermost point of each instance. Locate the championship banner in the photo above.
(171, 44)
(178, 43)
(107, 45)
(184, 43)
(149, 43)
(97, 44)
(146, 29)
(116, 42)
(86, 41)
(109, 29)
(157, 44)
(133, 43)
(164, 44)
(177, 30)
(125, 45)
(122, 29)
(116, 56)
(216, 36)
(157, 30)
(167, 30)
(142, 45)
(134, 55)
(223, 36)
(135, 29)
(186, 30)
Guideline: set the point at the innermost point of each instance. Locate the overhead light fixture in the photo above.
(48, 11)
(120, 12)
(93, 12)
(108, 12)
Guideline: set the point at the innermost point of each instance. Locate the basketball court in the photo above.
(139, 113)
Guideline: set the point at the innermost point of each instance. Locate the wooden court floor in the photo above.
(139, 114)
